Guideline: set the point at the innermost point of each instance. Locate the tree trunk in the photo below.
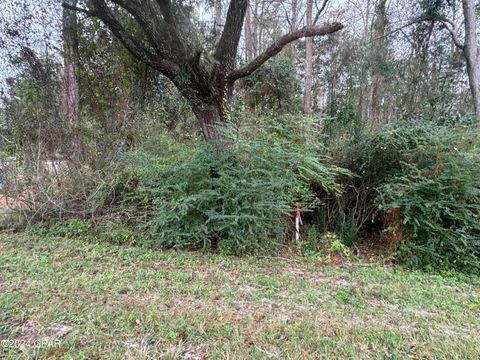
(249, 41)
(211, 114)
(256, 29)
(379, 52)
(293, 27)
(71, 76)
(471, 52)
(70, 63)
(307, 98)
(172, 48)
(210, 117)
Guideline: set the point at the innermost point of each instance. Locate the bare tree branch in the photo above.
(449, 25)
(79, 9)
(452, 29)
(279, 44)
(132, 6)
(104, 13)
(169, 16)
(287, 18)
(320, 11)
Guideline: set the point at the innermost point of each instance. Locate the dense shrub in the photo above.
(418, 182)
(438, 195)
(234, 198)
(375, 158)
(324, 246)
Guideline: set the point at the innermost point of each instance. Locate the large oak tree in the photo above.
(166, 39)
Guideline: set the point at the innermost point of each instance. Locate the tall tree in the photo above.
(307, 96)
(70, 62)
(468, 46)
(380, 54)
(170, 45)
(293, 27)
(249, 35)
(71, 76)
(470, 50)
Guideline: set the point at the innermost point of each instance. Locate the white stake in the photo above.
(298, 222)
(297, 229)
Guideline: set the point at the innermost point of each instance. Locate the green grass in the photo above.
(112, 302)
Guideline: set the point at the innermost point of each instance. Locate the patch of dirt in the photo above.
(162, 265)
(422, 312)
(247, 290)
(407, 328)
(194, 352)
(394, 308)
(337, 260)
(357, 321)
(31, 331)
(456, 331)
(137, 300)
(297, 272)
(376, 302)
(377, 250)
(7, 203)
(342, 282)
(393, 222)
(320, 278)
(57, 331)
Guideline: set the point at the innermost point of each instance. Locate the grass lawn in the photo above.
(88, 301)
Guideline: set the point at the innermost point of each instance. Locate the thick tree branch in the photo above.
(99, 9)
(228, 45)
(143, 14)
(132, 6)
(105, 14)
(175, 27)
(279, 44)
(167, 11)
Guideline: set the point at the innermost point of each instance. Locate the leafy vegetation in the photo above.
(418, 182)
(438, 196)
(414, 186)
(273, 87)
(237, 199)
(133, 131)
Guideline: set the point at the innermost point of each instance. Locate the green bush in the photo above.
(375, 158)
(233, 198)
(424, 173)
(438, 194)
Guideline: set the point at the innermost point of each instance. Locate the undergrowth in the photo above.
(418, 186)
(235, 198)
(411, 185)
